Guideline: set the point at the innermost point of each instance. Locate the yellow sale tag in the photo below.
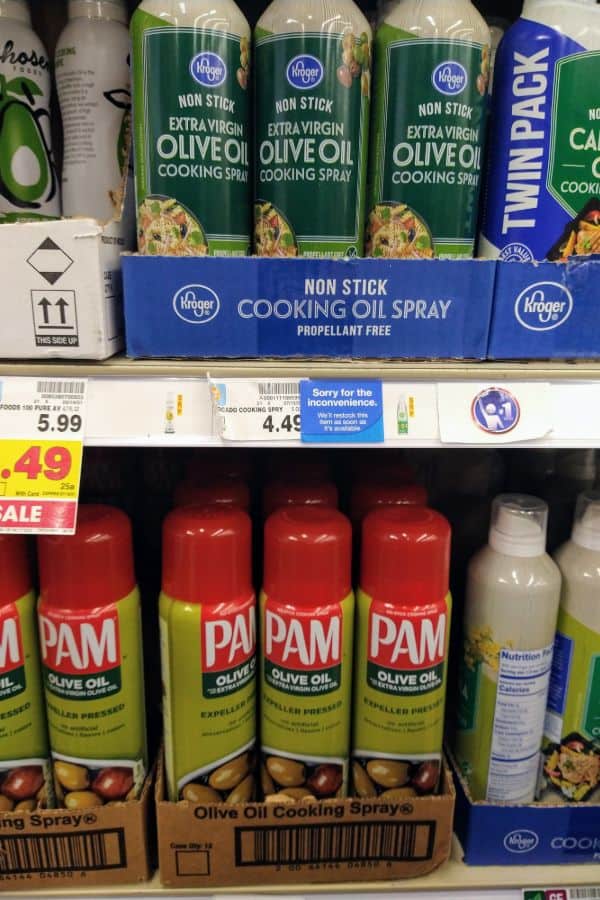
(41, 454)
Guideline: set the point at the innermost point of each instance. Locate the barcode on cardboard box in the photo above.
(61, 387)
(585, 893)
(86, 851)
(279, 388)
(335, 843)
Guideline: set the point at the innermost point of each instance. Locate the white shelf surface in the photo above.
(452, 881)
(127, 399)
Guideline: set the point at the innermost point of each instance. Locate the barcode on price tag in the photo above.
(42, 424)
(584, 893)
(255, 411)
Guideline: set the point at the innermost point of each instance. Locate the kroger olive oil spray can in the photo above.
(307, 611)
(91, 644)
(191, 110)
(25, 771)
(208, 652)
(402, 641)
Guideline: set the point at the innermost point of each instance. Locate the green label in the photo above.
(574, 168)
(192, 110)
(574, 703)
(312, 116)
(468, 696)
(300, 683)
(427, 140)
(93, 676)
(591, 718)
(208, 658)
(401, 658)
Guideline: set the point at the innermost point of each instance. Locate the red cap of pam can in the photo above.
(220, 492)
(308, 552)
(15, 574)
(92, 567)
(369, 495)
(292, 493)
(207, 554)
(405, 555)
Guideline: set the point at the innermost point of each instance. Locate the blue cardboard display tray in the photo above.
(538, 834)
(546, 310)
(363, 309)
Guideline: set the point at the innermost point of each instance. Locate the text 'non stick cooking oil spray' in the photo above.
(307, 612)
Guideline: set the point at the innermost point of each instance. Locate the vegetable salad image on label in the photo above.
(90, 638)
(428, 132)
(208, 652)
(25, 769)
(312, 119)
(191, 125)
(542, 197)
(401, 652)
(29, 186)
(307, 609)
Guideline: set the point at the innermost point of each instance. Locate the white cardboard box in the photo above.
(61, 294)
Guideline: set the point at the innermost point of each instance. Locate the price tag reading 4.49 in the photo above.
(41, 449)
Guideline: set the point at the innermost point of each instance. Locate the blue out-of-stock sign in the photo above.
(341, 412)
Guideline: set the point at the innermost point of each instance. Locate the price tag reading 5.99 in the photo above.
(42, 424)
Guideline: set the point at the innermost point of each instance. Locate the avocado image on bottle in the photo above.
(28, 182)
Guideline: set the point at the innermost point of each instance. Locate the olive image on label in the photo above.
(307, 611)
(25, 769)
(208, 639)
(29, 186)
(191, 90)
(403, 633)
(91, 646)
(313, 86)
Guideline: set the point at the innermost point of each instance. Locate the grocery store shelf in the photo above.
(453, 881)
(127, 399)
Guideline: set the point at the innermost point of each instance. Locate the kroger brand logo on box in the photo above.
(208, 69)
(305, 72)
(521, 841)
(196, 304)
(450, 78)
(543, 306)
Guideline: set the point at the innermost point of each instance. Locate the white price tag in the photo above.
(506, 413)
(42, 424)
(256, 410)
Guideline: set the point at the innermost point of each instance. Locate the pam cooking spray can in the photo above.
(25, 771)
(307, 610)
(208, 647)
(401, 652)
(91, 643)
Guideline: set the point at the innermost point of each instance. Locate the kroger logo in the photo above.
(543, 306)
(304, 72)
(196, 304)
(521, 841)
(450, 78)
(208, 69)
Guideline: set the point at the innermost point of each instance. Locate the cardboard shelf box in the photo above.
(525, 835)
(325, 842)
(200, 307)
(53, 848)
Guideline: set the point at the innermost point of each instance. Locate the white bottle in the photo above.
(93, 82)
(191, 81)
(513, 590)
(29, 186)
(572, 730)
